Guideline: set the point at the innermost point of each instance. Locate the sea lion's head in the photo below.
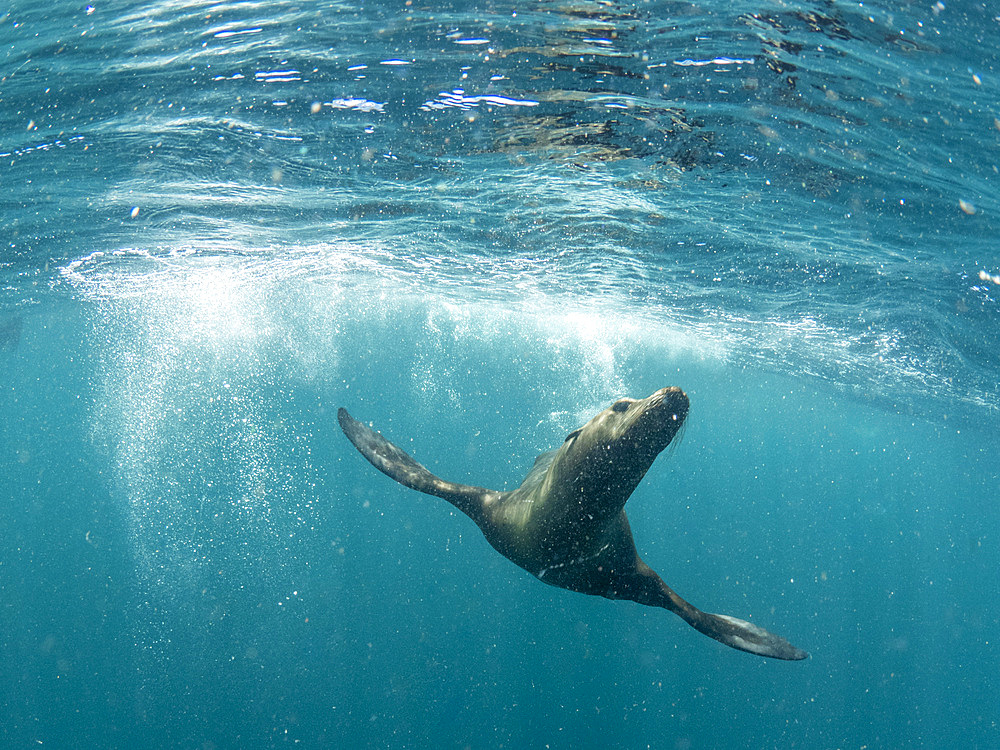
(612, 452)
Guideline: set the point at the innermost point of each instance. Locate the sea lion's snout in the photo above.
(656, 419)
(672, 400)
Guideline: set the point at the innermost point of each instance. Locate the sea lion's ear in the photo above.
(572, 435)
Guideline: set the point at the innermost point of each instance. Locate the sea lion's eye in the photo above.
(622, 405)
(572, 435)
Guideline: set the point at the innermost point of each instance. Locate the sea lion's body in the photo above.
(566, 523)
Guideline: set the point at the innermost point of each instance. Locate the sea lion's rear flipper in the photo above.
(646, 587)
(394, 462)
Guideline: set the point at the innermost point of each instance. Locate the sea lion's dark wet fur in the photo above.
(566, 523)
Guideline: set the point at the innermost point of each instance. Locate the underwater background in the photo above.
(476, 225)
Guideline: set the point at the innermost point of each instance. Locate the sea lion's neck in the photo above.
(600, 476)
(599, 466)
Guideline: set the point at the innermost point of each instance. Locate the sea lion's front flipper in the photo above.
(646, 587)
(747, 637)
(394, 462)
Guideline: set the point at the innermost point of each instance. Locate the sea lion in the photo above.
(566, 523)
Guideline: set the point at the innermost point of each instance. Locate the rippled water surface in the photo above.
(805, 185)
(477, 225)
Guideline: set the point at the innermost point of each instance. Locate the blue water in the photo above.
(476, 226)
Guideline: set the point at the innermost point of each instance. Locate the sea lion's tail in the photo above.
(397, 464)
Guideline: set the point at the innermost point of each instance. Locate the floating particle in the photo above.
(967, 206)
(770, 133)
(134, 212)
